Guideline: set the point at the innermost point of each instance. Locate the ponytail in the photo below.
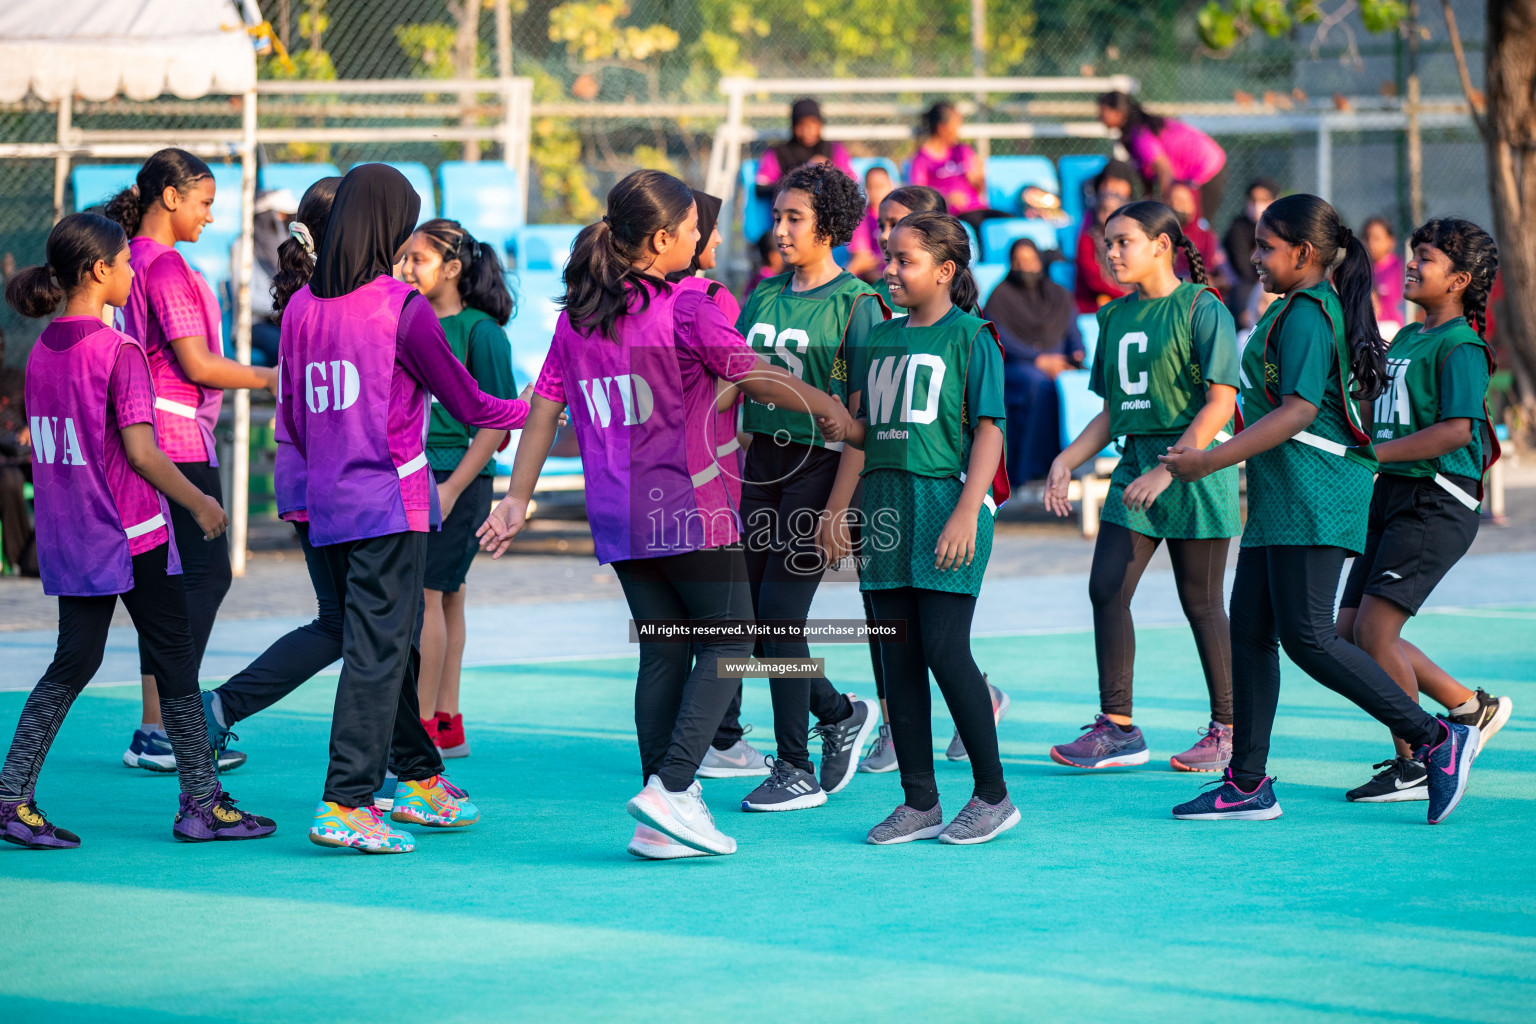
(1471, 251)
(75, 245)
(296, 256)
(945, 240)
(1194, 259)
(603, 279)
(1305, 219)
(169, 168)
(482, 285)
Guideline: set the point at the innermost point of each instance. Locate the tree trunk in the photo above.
(466, 45)
(1510, 138)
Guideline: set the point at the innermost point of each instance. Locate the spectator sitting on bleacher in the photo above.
(15, 473)
(1037, 323)
(804, 145)
(945, 163)
(1184, 200)
(1113, 187)
(269, 229)
(770, 263)
(1238, 244)
(866, 259)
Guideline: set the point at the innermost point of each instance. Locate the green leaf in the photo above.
(1218, 26)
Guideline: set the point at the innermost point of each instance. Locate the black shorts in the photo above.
(451, 549)
(1417, 531)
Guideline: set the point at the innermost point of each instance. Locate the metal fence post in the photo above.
(61, 162)
(240, 464)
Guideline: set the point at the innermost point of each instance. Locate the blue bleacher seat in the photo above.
(1009, 176)
(421, 180)
(96, 183)
(1078, 406)
(296, 178)
(757, 213)
(1064, 273)
(545, 246)
(529, 333)
(1075, 172)
(862, 164)
(1066, 239)
(987, 276)
(999, 233)
(485, 197)
(1088, 327)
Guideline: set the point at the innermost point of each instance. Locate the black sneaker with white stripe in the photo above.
(1400, 779)
(842, 742)
(787, 788)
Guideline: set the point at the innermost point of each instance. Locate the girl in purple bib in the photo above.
(101, 482)
(359, 357)
(174, 315)
(637, 361)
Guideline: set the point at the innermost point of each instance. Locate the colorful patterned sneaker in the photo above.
(683, 816)
(360, 828)
(980, 822)
(434, 802)
(219, 738)
(219, 820)
(739, 761)
(1000, 702)
(881, 756)
(150, 750)
(906, 825)
(1104, 745)
(649, 844)
(786, 788)
(23, 823)
(1400, 780)
(384, 799)
(1229, 803)
(842, 741)
(450, 736)
(1211, 754)
(1448, 763)
(1489, 717)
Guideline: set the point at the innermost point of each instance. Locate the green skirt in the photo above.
(1202, 510)
(904, 515)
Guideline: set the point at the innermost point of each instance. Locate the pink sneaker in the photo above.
(1211, 754)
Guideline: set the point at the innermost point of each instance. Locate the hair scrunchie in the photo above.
(298, 229)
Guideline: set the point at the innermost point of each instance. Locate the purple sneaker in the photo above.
(23, 823)
(1104, 745)
(1211, 754)
(220, 820)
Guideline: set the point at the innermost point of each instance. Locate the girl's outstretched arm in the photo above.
(1294, 415)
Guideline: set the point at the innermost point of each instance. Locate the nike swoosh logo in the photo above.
(1222, 805)
(1400, 784)
(1451, 770)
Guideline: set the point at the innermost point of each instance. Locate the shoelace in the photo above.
(780, 773)
(881, 739)
(969, 815)
(450, 788)
(1390, 764)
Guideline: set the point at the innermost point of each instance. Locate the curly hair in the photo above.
(1471, 251)
(836, 200)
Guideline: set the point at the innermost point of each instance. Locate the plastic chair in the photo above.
(546, 246)
(421, 180)
(1064, 273)
(862, 164)
(485, 197)
(296, 178)
(757, 213)
(1009, 176)
(1076, 170)
(999, 234)
(96, 183)
(988, 276)
(1088, 327)
(1078, 405)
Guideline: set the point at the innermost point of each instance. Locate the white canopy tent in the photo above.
(58, 50)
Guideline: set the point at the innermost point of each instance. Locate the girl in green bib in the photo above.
(928, 391)
(1313, 356)
(1167, 370)
(1431, 435)
(804, 321)
(462, 279)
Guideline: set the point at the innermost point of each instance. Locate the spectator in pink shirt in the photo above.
(804, 145)
(1166, 150)
(945, 163)
(866, 258)
(1386, 269)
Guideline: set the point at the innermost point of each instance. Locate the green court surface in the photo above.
(1098, 907)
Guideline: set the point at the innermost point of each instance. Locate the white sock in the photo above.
(152, 727)
(1467, 708)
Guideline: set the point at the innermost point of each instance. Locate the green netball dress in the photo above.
(924, 389)
(1437, 374)
(1155, 359)
(806, 333)
(1315, 489)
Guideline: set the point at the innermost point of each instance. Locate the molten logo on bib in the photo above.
(55, 440)
(336, 390)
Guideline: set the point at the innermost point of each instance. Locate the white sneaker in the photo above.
(683, 816)
(739, 761)
(650, 844)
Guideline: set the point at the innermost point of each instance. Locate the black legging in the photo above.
(1119, 558)
(1283, 596)
(938, 637)
(205, 570)
(677, 709)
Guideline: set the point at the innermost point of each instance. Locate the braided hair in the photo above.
(836, 200)
(1156, 219)
(1471, 251)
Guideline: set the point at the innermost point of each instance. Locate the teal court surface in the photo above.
(1098, 907)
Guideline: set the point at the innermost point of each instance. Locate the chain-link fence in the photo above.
(618, 85)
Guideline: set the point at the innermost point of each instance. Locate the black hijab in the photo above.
(1032, 316)
(374, 213)
(709, 216)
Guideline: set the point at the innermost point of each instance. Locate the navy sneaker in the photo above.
(151, 750)
(1229, 803)
(1103, 745)
(787, 789)
(842, 741)
(1448, 763)
(219, 737)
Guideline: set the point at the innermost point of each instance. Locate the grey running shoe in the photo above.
(980, 822)
(1000, 702)
(905, 825)
(1211, 754)
(739, 761)
(881, 756)
(1489, 717)
(842, 741)
(787, 789)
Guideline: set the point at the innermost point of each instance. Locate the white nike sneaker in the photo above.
(739, 761)
(683, 816)
(649, 844)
